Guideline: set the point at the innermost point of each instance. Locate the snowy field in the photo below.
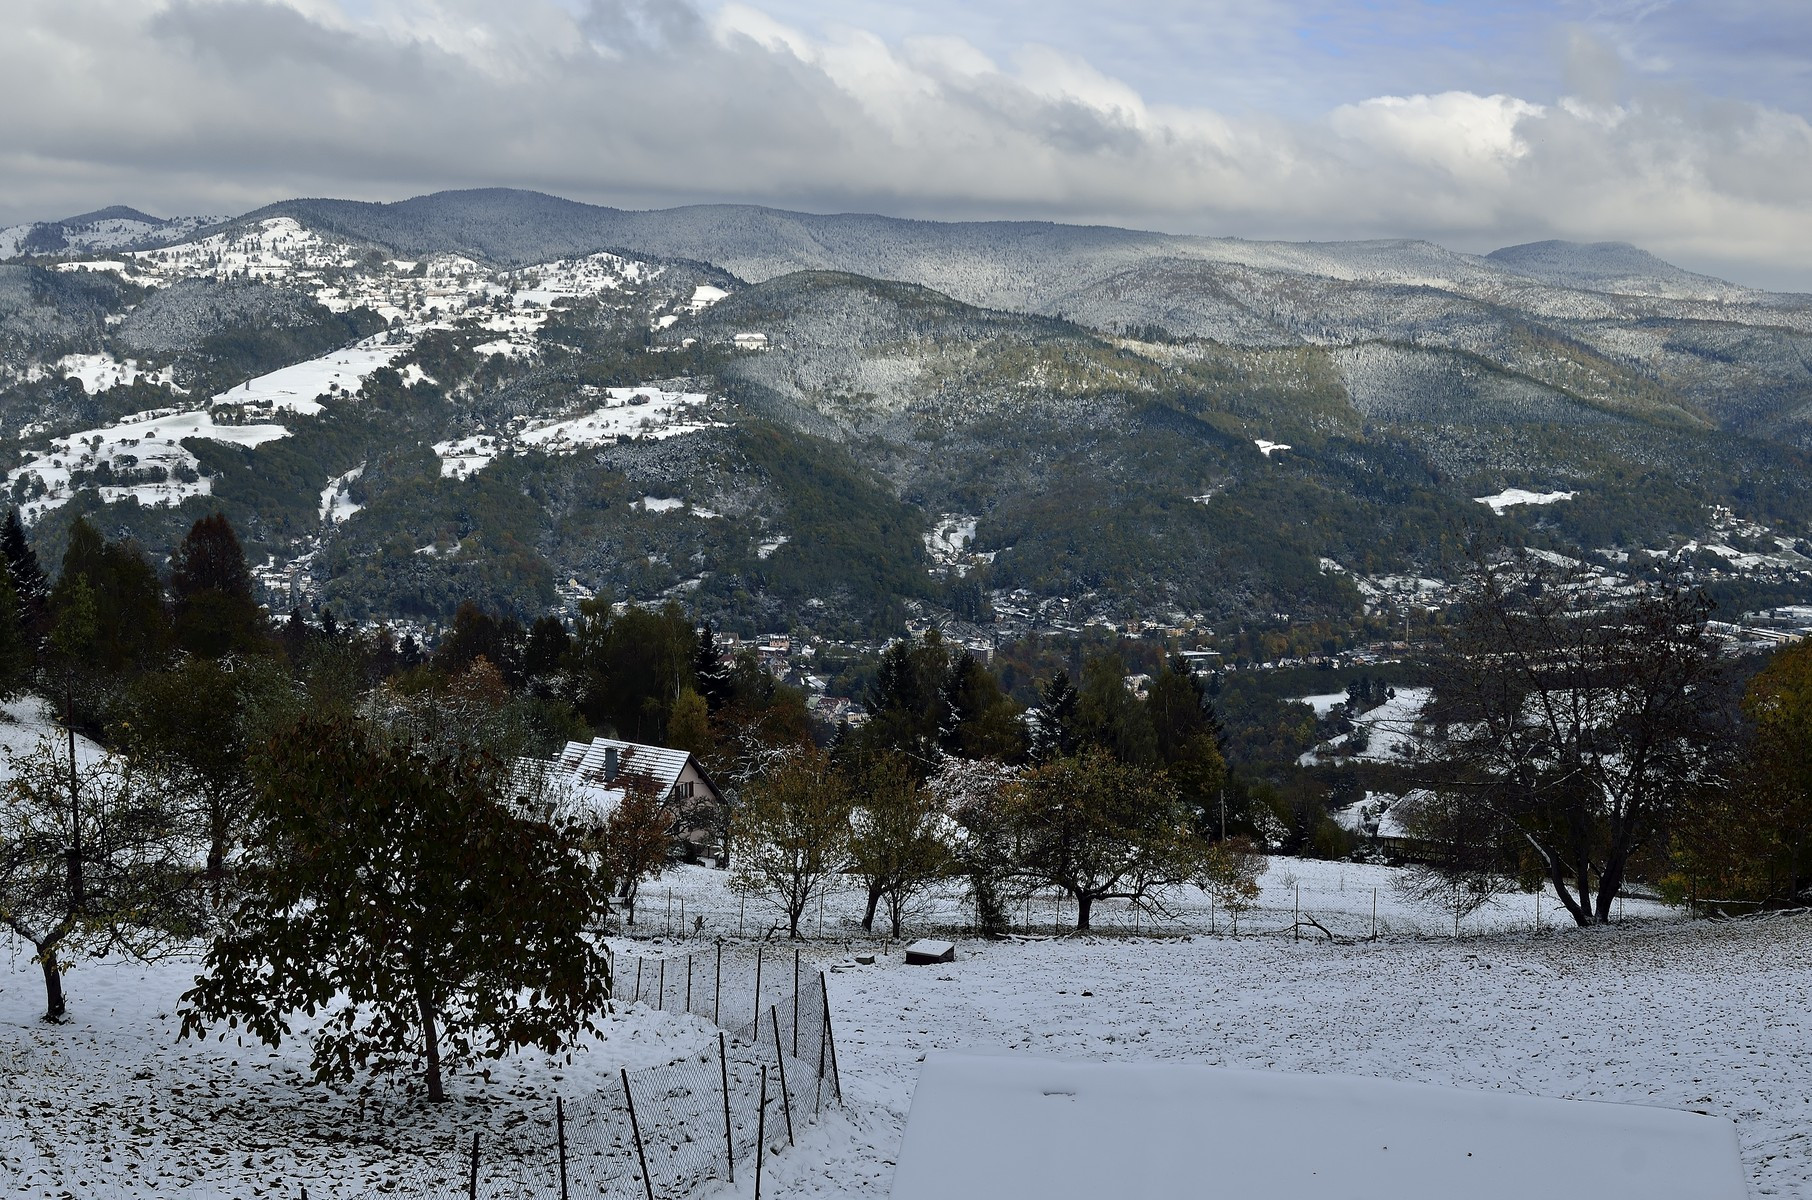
(1697, 1015)
(295, 388)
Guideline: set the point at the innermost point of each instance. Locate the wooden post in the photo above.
(717, 988)
(786, 1101)
(761, 1131)
(472, 1179)
(660, 1000)
(669, 912)
(1375, 912)
(1296, 929)
(723, 1065)
(638, 978)
(636, 1129)
(836, 1081)
(560, 1137)
(688, 983)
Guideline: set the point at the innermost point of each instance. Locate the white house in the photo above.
(751, 341)
(589, 779)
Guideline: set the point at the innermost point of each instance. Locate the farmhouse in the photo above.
(589, 779)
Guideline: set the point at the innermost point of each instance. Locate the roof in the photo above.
(989, 1126)
(581, 769)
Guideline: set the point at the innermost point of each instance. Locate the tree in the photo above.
(30, 584)
(636, 840)
(1100, 829)
(980, 720)
(195, 727)
(1581, 724)
(1457, 864)
(431, 923)
(689, 728)
(900, 839)
(1110, 716)
(1753, 841)
(1188, 741)
(92, 860)
(975, 792)
(1230, 870)
(216, 612)
(1054, 731)
(792, 832)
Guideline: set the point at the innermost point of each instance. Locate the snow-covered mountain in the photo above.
(115, 228)
(511, 396)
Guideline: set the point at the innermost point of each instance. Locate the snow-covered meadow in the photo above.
(1658, 1010)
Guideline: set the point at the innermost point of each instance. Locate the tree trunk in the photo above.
(54, 1007)
(1084, 902)
(217, 840)
(1557, 877)
(431, 1043)
(874, 901)
(78, 890)
(896, 905)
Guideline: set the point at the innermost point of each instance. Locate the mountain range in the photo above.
(833, 419)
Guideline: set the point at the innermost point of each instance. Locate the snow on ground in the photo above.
(1511, 497)
(626, 412)
(1268, 448)
(26, 722)
(1390, 729)
(995, 1125)
(466, 456)
(1701, 1015)
(99, 372)
(294, 388)
(951, 537)
(336, 504)
(141, 442)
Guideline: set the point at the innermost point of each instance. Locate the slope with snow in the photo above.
(143, 450)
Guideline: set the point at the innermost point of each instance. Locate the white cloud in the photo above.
(210, 105)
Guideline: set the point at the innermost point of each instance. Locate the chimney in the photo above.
(610, 764)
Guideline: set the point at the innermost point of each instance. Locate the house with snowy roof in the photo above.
(589, 779)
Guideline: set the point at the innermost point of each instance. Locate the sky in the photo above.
(1679, 125)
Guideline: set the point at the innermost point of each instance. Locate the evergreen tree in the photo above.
(1054, 732)
(211, 586)
(30, 585)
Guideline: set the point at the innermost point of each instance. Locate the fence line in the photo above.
(668, 1130)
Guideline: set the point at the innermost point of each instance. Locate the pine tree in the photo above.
(216, 611)
(30, 585)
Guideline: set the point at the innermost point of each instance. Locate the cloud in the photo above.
(220, 105)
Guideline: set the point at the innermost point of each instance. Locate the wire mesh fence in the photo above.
(667, 1130)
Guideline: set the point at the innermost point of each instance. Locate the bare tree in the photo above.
(1578, 720)
(1459, 860)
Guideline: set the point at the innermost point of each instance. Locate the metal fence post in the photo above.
(723, 1064)
(831, 1038)
(660, 1000)
(688, 983)
(472, 1179)
(638, 978)
(780, 1061)
(717, 989)
(560, 1136)
(758, 954)
(795, 1013)
(636, 1129)
(761, 1128)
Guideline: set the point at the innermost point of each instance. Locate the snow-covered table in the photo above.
(991, 1126)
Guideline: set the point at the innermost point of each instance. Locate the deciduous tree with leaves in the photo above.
(792, 831)
(420, 921)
